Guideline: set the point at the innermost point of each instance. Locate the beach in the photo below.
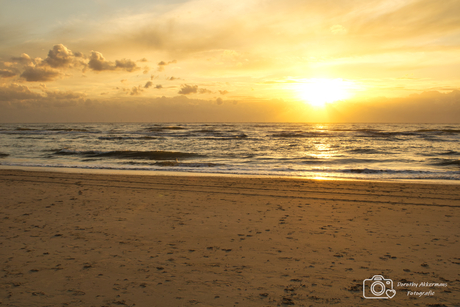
(81, 239)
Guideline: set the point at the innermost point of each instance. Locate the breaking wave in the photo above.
(126, 154)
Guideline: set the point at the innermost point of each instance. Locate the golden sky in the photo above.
(219, 60)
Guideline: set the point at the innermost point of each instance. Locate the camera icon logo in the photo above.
(378, 287)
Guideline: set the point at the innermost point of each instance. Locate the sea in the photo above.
(329, 151)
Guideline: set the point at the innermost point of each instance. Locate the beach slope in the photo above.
(70, 239)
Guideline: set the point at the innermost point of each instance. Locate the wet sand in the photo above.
(69, 239)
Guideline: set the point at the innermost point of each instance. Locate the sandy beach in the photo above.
(70, 239)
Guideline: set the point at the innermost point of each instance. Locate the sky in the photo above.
(230, 61)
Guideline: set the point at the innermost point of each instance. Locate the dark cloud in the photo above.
(136, 90)
(223, 92)
(172, 78)
(97, 62)
(126, 64)
(162, 64)
(219, 101)
(204, 91)
(150, 84)
(193, 89)
(188, 89)
(39, 74)
(6, 73)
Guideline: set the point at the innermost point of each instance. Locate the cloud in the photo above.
(21, 96)
(15, 92)
(60, 56)
(60, 95)
(204, 91)
(39, 74)
(97, 62)
(59, 59)
(6, 73)
(188, 89)
(150, 84)
(136, 90)
(20, 104)
(127, 65)
(162, 64)
(38, 70)
(22, 59)
(223, 92)
(141, 109)
(193, 89)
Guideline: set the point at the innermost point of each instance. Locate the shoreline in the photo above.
(203, 174)
(81, 239)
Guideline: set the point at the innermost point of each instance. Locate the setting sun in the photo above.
(318, 92)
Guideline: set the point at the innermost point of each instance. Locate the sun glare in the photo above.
(318, 92)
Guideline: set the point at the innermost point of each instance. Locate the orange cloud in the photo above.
(39, 74)
(188, 89)
(97, 62)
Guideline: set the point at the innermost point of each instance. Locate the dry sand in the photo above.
(70, 239)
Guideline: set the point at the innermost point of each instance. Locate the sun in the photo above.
(318, 92)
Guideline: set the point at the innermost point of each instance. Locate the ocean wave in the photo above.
(227, 137)
(363, 151)
(368, 151)
(300, 134)
(442, 153)
(354, 173)
(383, 171)
(21, 130)
(388, 134)
(185, 164)
(158, 128)
(439, 131)
(119, 138)
(446, 162)
(127, 154)
(24, 129)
